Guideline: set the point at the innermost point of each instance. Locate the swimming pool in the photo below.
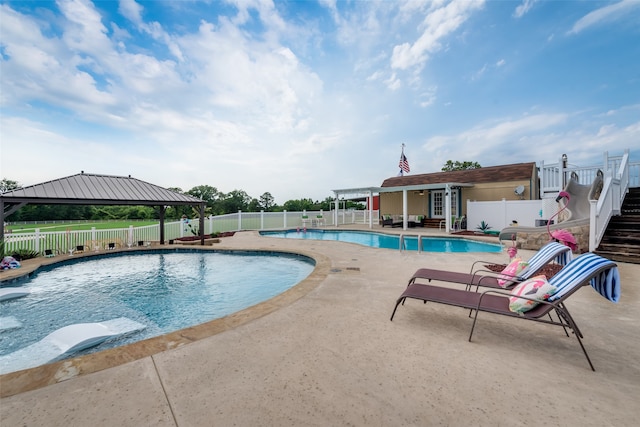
(164, 290)
(390, 241)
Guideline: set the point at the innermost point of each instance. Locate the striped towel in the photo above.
(580, 270)
(607, 284)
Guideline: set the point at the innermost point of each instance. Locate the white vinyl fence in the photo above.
(502, 213)
(69, 241)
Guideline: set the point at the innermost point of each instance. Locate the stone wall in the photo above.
(535, 240)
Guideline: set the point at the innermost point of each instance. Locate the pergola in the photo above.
(91, 189)
(369, 192)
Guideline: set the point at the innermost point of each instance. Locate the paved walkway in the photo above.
(328, 355)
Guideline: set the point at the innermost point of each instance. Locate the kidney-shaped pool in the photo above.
(163, 291)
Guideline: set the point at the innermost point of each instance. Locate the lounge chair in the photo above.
(67, 340)
(489, 279)
(11, 292)
(586, 269)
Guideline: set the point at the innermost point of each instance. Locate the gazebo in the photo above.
(93, 189)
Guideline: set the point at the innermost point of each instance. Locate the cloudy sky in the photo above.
(298, 98)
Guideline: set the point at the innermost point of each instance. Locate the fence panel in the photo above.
(502, 213)
(60, 242)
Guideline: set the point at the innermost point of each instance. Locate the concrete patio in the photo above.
(326, 354)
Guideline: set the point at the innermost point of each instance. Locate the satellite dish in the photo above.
(519, 190)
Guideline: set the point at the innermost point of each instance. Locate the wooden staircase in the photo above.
(621, 241)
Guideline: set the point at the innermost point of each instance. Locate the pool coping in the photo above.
(33, 378)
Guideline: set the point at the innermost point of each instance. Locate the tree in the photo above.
(460, 166)
(266, 202)
(205, 192)
(327, 204)
(209, 194)
(8, 185)
(254, 206)
(299, 205)
(234, 201)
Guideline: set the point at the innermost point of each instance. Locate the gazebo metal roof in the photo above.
(94, 189)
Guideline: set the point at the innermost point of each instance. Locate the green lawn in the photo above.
(30, 228)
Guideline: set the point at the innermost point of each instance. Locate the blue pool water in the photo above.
(164, 290)
(389, 241)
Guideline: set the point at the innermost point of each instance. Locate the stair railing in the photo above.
(616, 185)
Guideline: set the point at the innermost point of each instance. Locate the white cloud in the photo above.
(606, 13)
(84, 31)
(478, 74)
(393, 82)
(525, 7)
(438, 24)
(45, 69)
(532, 138)
(331, 5)
(428, 97)
(131, 10)
(482, 142)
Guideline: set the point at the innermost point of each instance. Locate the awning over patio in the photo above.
(369, 192)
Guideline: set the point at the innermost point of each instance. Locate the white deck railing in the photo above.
(619, 176)
(616, 185)
(551, 174)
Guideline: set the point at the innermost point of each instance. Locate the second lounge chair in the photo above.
(488, 279)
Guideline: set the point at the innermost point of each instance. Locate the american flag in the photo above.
(404, 164)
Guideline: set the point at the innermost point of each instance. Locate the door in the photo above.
(438, 202)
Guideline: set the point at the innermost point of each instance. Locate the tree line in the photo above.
(217, 203)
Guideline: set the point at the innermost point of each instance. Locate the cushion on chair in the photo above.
(510, 271)
(537, 287)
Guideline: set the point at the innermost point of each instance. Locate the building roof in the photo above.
(91, 189)
(514, 172)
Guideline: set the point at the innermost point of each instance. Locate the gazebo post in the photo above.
(161, 215)
(202, 208)
(1, 220)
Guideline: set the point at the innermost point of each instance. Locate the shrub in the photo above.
(22, 254)
(483, 226)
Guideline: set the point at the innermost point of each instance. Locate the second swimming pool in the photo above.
(390, 241)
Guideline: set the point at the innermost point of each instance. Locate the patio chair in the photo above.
(318, 221)
(586, 269)
(443, 223)
(459, 222)
(489, 279)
